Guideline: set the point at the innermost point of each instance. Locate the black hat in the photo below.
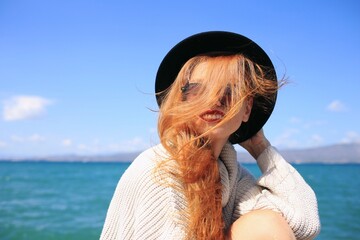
(226, 42)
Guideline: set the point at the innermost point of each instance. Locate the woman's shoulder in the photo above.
(150, 156)
(145, 163)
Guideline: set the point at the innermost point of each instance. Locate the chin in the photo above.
(219, 133)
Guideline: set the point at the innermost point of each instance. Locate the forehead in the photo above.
(198, 74)
(219, 70)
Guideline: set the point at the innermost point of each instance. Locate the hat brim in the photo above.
(219, 41)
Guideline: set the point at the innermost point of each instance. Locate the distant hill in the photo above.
(119, 157)
(341, 153)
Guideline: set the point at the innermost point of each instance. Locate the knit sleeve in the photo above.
(282, 189)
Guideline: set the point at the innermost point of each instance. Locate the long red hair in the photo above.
(196, 166)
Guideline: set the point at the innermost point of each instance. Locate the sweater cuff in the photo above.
(269, 159)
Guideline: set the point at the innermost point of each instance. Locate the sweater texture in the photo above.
(144, 208)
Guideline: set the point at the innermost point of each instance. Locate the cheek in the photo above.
(199, 125)
(236, 121)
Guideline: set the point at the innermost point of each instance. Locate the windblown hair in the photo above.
(196, 166)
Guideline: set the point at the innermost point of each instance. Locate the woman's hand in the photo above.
(256, 144)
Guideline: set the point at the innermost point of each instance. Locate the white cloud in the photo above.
(66, 142)
(306, 124)
(152, 130)
(24, 107)
(97, 147)
(36, 138)
(316, 140)
(286, 139)
(312, 124)
(32, 138)
(131, 145)
(16, 138)
(2, 144)
(336, 106)
(295, 120)
(351, 137)
(84, 147)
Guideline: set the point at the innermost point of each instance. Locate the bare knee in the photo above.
(261, 224)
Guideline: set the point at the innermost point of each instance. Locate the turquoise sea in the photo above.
(43, 200)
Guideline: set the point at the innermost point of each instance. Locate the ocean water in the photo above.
(41, 200)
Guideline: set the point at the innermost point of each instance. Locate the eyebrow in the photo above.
(188, 85)
(195, 80)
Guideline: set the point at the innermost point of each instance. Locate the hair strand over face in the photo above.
(197, 168)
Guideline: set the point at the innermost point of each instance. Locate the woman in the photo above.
(214, 89)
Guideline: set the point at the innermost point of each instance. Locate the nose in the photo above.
(219, 102)
(222, 101)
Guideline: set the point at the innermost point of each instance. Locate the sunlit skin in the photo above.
(210, 117)
(260, 225)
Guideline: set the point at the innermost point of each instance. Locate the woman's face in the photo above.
(211, 116)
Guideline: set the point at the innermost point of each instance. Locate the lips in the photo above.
(212, 116)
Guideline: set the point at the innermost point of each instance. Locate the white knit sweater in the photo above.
(143, 208)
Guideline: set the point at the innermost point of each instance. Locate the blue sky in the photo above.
(77, 77)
